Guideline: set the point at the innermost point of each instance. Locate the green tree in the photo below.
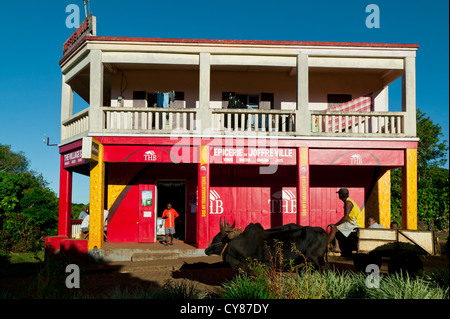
(28, 208)
(432, 178)
(432, 148)
(11, 162)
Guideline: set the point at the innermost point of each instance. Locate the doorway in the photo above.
(172, 192)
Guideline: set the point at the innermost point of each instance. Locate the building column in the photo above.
(96, 91)
(302, 114)
(204, 116)
(303, 207)
(409, 95)
(96, 201)
(66, 103)
(65, 201)
(203, 198)
(409, 190)
(384, 199)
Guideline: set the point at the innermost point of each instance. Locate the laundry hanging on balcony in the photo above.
(163, 99)
(357, 105)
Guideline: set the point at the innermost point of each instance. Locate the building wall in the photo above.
(237, 193)
(357, 84)
(154, 81)
(280, 82)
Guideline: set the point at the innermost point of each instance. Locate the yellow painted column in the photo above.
(384, 199)
(96, 202)
(409, 190)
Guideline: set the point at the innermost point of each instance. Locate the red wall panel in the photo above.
(327, 208)
(123, 226)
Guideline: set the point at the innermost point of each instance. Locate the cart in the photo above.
(399, 248)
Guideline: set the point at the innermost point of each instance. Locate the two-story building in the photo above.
(253, 131)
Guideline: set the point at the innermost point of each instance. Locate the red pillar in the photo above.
(203, 198)
(303, 206)
(65, 201)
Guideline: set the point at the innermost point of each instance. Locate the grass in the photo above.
(47, 280)
(18, 258)
(170, 290)
(263, 282)
(398, 286)
(332, 285)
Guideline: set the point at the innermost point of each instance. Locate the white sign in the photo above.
(147, 214)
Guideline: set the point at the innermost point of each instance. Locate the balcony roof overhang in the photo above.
(226, 42)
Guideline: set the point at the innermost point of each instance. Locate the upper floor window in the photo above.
(232, 100)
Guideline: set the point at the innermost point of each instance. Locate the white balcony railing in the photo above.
(244, 121)
(76, 125)
(145, 120)
(133, 120)
(357, 123)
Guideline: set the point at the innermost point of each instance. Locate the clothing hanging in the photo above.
(164, 98)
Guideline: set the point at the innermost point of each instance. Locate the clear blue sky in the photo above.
(33, 32)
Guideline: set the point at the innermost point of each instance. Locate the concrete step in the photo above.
(154, 256)
(146, 252)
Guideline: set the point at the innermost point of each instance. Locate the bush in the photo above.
(345, 285)
(20, 234)
(263, 282)
(400, 286)
(244, 286)
(440, 279)
(170, 290)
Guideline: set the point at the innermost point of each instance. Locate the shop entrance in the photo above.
(172, 192)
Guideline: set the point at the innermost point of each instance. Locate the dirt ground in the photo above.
(208, 273)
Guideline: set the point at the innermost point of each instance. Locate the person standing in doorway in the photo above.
(169, 215)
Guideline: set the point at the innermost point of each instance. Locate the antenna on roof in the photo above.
(87, 8)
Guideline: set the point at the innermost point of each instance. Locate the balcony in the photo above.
(239, 122)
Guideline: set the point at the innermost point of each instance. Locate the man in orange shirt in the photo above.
(169, 215)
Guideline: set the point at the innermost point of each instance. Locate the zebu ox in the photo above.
(296, 242)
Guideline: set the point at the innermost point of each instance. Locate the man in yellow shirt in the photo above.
(347, 223)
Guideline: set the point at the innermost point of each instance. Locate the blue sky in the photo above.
(33, 32)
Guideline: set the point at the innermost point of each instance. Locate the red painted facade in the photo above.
(210, 181)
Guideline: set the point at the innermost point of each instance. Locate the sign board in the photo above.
(257, 155)
(150, 154)
(147, 198)
(362, 157)
(147, 214)
(73, 158)
(87, 27)
(90, 148)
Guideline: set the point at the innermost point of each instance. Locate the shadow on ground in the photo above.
(208, 274)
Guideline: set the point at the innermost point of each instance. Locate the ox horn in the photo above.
(222, 230)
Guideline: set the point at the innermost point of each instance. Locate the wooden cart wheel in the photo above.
(405, 262)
